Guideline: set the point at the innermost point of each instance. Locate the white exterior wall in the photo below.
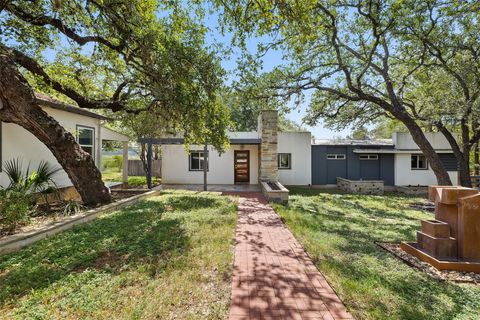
(18, 142)
(404, 141)
(405, 176)
(175, 165)
(299, 145)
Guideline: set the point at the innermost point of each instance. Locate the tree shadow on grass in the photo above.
(138, 235)
(361, 265)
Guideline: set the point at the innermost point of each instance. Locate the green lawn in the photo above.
(339, 231)
(169, 257)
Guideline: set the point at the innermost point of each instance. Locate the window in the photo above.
(419, 162)
(369, 157)
(197, 161)
(284, 161)
(336, 157)
(86, 139)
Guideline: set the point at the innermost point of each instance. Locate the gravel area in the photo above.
(441, 275)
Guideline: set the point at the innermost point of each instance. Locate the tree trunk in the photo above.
(462, 156)
(476, 159)
(428, 151)
(18, 105)
(143, 157)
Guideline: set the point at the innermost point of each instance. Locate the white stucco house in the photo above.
(294, 158)
(88, 127)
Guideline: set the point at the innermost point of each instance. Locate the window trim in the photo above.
(370, 157)
(190, 160)
(289, 155)
(418, 155)
(336, 156)
(93, 146)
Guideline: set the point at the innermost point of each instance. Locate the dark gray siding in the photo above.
(326, 171)
(449, 161)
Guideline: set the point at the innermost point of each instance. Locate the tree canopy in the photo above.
(362, 60)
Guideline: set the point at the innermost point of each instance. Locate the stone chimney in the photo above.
(267, 130)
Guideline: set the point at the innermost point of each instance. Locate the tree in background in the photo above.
(245, 100)
(123, 56)
(359, 58)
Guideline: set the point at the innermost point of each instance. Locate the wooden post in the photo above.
(149, 165)
(205, 166)
(125, 162)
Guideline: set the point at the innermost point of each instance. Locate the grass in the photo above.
(134, 181)
(339, 230)
(167, 257)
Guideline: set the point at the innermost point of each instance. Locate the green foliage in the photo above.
(125, 57)
(15, 208)
(113, 163)
(71, 207)
(339, 232)
(167, 257)
(21, 179)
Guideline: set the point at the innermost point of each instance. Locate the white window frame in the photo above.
(289, 157)
(92, 129)
(201, 156)
(368, 157)
(417, 162)
(336, 156)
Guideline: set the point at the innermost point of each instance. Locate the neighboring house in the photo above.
(88, 127)
(293, 159)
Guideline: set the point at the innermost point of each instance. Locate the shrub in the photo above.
(14, 209)
(113, 163)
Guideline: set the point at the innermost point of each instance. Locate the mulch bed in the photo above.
(44, 218)
(440, 275)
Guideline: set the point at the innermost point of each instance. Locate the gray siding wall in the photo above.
(326, 171)
(449, 161)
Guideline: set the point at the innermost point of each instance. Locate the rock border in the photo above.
(19, 241)
(394, 249)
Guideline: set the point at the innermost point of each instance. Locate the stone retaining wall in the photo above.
(361, 186)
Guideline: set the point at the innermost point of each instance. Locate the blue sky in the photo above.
(270, 60)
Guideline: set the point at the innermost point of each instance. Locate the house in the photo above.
(88, 127)
(293, 158)
(265, 154)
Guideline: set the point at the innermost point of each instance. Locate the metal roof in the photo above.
(50, 102)
(399, 151)
(165, 141)
(352, 142)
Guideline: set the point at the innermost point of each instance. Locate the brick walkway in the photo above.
(273, 277)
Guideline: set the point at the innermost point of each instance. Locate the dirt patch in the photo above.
(123, 194)
(440, 275)
(423, 206)
(108, 260)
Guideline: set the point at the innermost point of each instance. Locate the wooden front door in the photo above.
(242, 166)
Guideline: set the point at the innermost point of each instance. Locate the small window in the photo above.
(336, 157)
(369, 157)
(86, 139)
(197, 161)
(419, 162)
(284, 161)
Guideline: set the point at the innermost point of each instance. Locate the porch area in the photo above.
(214, 187)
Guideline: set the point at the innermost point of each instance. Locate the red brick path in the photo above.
(273, 277)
